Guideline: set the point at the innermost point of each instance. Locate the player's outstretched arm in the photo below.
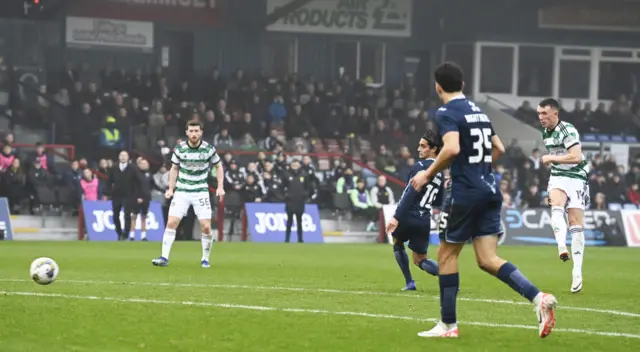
(573, 157)
(497, 148)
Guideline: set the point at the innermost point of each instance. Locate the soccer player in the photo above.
(412, 219)
(473, 210)
(568, 184)
(188, 186)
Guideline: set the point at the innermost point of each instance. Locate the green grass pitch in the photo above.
(276, 297)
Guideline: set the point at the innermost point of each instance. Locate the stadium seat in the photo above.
(615, 206)
(68, 197)
(46, 197)
(341, 202)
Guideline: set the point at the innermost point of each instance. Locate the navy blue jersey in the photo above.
(414, 208)
(472, 178)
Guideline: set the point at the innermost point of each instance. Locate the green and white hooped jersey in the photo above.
(558, 141)
(194, 164)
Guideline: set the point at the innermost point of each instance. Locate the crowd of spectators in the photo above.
(622, 117)
(524, 179)
(260, 118)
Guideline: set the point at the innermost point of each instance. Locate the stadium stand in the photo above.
(337, 126)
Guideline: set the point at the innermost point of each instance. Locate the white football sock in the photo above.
(207, 241)
(559, 226)
(537, 299)
(577, 248)
(143, 235)
(167, 241)
(132, 234)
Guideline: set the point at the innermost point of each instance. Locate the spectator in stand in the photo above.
(43, 156)
(615, 190)
(161, 184)
(233, 177)
(223, 140)
(6, 157)
(37, 177)
(599, 202)
(362, 205)
(12, 183)
(277, 112)
(248, 143)
(89, 186)
(249, 126)
(381, 194)
(532, 198)
(535, 158)
(253, 192)
(347, 182)
(385, 161)
(111, 139)
(73, 175)
(275, 192)
(156, 121)
(9, 139)
(633, 194)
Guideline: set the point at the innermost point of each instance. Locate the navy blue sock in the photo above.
(403, 263)
(429, 265)
(448, 291)
(511, 276)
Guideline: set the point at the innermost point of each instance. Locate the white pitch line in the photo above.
(303, 310)
(325, 290)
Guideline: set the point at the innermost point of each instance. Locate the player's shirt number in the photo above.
(442, 223)
(429, 196)
(482, 145)
(204, 202)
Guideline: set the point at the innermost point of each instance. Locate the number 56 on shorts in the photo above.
(182, 201)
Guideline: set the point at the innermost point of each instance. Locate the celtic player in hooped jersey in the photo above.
(568, 184)
(188, 186)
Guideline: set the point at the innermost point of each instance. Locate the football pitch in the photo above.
(276, 297)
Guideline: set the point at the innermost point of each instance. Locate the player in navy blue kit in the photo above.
(412, 219)
(472, 212)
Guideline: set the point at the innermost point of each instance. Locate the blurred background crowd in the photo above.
(353, 130)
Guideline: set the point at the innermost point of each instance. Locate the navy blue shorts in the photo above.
(418, 238)
(460, 223)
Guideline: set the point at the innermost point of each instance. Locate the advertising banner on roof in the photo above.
(187, 12)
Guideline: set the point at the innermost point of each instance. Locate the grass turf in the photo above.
(276, 297)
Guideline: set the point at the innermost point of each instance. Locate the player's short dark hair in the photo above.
(550, 102)
(449, 76)
(193, 123)
(433, 140)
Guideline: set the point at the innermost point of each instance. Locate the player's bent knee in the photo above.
(398, 246)
(205, 227)
(173, 222)
(418, 257)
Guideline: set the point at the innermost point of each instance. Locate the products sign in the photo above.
(387, 18)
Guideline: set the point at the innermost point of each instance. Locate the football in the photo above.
(44, 271)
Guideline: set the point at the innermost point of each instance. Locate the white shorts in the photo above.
(182, 201)
(577, 191)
